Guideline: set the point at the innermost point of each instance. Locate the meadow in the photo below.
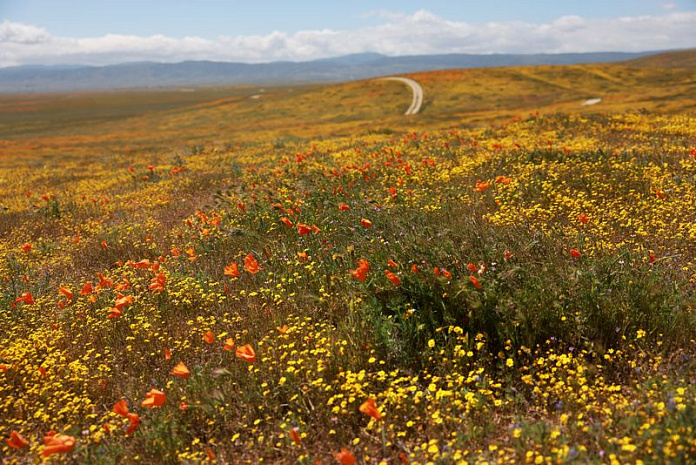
(302, 274)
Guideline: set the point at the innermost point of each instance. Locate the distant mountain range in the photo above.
(208, 73)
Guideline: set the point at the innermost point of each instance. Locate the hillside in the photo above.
(303, 274)
(676, 59)
(169, 120)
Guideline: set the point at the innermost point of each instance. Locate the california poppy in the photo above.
(471, 267)
(229, 344)
(575, 253)
(446, 274)
(507, 255)
(26, 247)
(251, 265)
(123, 301)
(286, 221)
(395, 280)
(26, 297)
(232, 270)
(475, 282)
(209, 337)
(343, 207)
(366, 223)
(303, 229)
(583, 218)
(167, 354)
(114, 313)
(361, 272)
(369, 407)
(16, 441)
(246, 352)
(392, 264)
(181, 370)
(66, 292)
(134, 420)
(157, 283)
(57, 444)
(282, 329)
(86, 289)
(295, 436)
(121, 408)
(154, 398)
(344, 457)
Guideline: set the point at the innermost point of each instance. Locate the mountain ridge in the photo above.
(62, 78)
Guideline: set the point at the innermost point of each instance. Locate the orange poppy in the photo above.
(583, 218)
(395, 280)
(343, 207)
(507, 255)
(26, 297)
(181, 370)
(157, 283)
(123, 301)
(134, 420)
(475, 282)
(232, 270)
(282, 329)
(26, 247)
(303, 229)
(361, 272)
(286, 221)
(57, 444)
(211, 455)
(369, 407)
(86, 289)
(392, 264)
(121, 408)
(114, 313)
(251, 265)
(471, 267)
(167, 354)
(295, 436)
(481, 186)
(247, 353)
(154, 398)
(16, 441)
(414, 268)
(344, 457)
(303, 257)
(209, 337)
(229, 344)
(104, 245)
(575, 253)
(366, 223)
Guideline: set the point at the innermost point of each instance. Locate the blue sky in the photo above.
(100, 32)
(210, 18)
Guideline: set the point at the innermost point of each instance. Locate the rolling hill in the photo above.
(207, 73)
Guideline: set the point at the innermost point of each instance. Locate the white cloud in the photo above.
(397, 34)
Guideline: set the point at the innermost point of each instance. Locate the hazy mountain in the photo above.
(206, 73)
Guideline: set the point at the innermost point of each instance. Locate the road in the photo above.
(417, 93)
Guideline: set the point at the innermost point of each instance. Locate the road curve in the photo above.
(417, 93)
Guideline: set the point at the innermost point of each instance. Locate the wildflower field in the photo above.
(349, 288)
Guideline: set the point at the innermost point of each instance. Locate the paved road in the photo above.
(417, 93)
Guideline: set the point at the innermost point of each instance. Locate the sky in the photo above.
(100, 32)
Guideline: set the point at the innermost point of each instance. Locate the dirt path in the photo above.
(417, 93)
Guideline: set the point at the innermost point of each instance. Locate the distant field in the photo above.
(151, 120)
(304, 274)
